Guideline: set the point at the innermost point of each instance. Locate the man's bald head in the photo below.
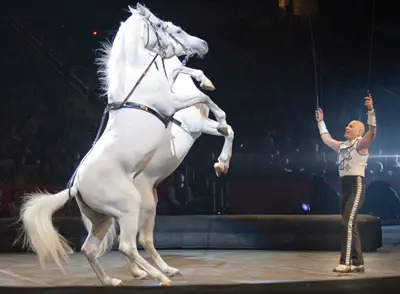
(354, 130)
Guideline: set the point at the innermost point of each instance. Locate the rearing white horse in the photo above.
(103, 185)
(188, 125)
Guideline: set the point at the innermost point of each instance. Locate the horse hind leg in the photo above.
(146, 235)
(146, 203)
(128, 224)
(100, 225)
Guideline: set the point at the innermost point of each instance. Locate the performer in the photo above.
(352, 159)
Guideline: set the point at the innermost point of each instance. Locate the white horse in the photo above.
(103, 185)
(188, 125)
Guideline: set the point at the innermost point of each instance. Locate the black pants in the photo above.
(352, 198)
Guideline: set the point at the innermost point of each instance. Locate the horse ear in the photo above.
(142, 10)
(131, 9)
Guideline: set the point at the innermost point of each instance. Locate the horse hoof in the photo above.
(141, 275)
(226, 169)
(223, 130)
(165, 284)
(207, 85)
(218, 169)
(116, 282)
(173, 272)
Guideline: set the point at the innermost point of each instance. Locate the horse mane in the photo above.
(102, 62)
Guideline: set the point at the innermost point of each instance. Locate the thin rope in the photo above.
(371, 42)
(315, 61)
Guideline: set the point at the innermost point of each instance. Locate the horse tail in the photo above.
(108, 241)
(37, 228)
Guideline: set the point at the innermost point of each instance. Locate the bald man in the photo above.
(352, 159)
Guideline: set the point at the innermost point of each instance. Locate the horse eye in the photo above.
(179, 31)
